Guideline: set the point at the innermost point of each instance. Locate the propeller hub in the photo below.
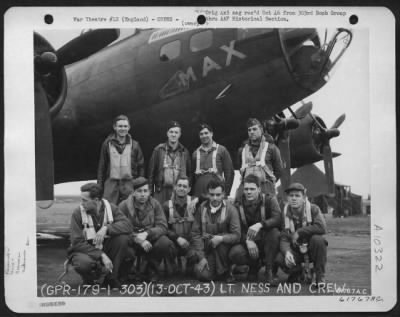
(291, 124)
(278, 126)
(49, 58)
(46, 63)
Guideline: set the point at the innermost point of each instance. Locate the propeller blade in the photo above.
(338, 121)
(278, 127)
(44, 163)
(327, 155)
(331, 133)
(304, 110)
(284, 148)
(85, 45)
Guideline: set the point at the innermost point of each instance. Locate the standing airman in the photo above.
(169, 161)
(120, 156)
(260, 157)
(211, 161)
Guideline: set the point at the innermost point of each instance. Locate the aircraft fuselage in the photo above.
(224, 84)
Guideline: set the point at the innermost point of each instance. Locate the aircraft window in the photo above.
(201, 41)
(170, 51)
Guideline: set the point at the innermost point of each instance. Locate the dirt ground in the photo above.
(348, 269)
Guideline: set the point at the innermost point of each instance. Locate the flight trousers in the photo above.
(163, 247)
(218, 263)
(268, 248)
(112, 190)
(90, 269)
(317, 252)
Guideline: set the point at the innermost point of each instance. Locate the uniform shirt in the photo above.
(317, 226)
(180, 207)
(272, 157)
(252, 213)
(224, 163)
(156, 164)
(231, 223)
(137, 160)
(119, 226)
(150, 218)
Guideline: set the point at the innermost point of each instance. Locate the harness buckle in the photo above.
(208, 171)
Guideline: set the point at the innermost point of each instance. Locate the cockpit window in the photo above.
(170, 51)
(201, 41)
(311, 54)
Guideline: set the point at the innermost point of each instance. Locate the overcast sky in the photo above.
(346, 92)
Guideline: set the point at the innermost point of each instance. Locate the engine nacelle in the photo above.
(306, 142)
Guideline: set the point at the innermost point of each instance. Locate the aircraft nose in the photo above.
(309, 60)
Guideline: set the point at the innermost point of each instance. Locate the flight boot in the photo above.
(252, 276)
(294, 275)
(170, 266)
(226, 276)
(126, 269)
(320, 279)
(190, 264)
(270, 276)
(110, 281)
(152, 274)
(238, 273)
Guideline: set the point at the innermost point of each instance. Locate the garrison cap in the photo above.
(252, 122)
(139, 182)
(205, 126)
(173, 124)
(295, 186)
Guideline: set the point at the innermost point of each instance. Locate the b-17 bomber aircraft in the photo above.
(219, 76)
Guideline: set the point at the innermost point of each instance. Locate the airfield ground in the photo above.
(348, 269)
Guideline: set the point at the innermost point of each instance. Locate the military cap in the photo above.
(173, 124)
(295, 186)
(252, 122)
(139, 182)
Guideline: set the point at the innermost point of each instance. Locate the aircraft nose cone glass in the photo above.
(311, 54)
